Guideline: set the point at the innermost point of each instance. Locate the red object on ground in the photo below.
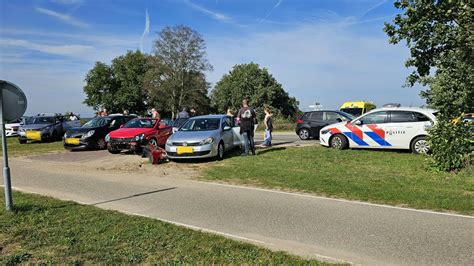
(155, 155)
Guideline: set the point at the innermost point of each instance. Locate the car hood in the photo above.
(335, 125)
(81, 129)
(193, 136)
(35, 126)
(129, 132)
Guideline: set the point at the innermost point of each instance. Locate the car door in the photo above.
(163, 131)
(404, 126)
(369, 131)
(227, 133)
(237, 138)
(316, 123)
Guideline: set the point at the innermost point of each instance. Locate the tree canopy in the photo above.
(439, 35)
(119, 86)
(177, 76)
(256, 84)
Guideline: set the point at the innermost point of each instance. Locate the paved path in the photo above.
(305, 225)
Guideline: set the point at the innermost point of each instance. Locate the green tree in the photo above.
(439, 35)
(120, 86)
(177, 76)
(255, 83)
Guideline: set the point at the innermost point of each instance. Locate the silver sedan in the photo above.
(204, 137)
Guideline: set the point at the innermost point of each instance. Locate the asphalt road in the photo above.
(305, 225)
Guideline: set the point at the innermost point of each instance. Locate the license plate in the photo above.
(182, 150)
(72, 141)
(34, 135)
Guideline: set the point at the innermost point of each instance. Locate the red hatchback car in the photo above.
(137, 133)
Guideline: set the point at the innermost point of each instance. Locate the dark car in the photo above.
(310, 123)
(92, 134)
(45, 127)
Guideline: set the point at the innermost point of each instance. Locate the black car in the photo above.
(92, 134)
(310, 123)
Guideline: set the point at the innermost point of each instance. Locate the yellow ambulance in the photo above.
(357, 108)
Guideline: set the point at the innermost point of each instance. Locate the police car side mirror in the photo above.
(227, 128)
(358, 122)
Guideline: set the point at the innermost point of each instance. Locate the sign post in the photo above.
(12, 106)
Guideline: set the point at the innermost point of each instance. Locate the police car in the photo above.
(384, 128)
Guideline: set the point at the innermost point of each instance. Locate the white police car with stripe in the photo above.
(384, 128)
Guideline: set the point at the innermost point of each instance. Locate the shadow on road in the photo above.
(133, 196)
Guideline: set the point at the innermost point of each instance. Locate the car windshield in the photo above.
(141, 123)
(179, 122)
(201, 124)
(352, 111)
(97, 122)
(40, 120)
(349, 116)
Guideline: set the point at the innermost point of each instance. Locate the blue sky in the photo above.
(328, 51)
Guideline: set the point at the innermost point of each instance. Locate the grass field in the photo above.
(48, 231)
(396, 178)
(16, 149)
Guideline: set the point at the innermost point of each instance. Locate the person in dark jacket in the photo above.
(247, 119)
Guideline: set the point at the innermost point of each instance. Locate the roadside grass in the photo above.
(387, 177)
(15, 149)
(43, 230)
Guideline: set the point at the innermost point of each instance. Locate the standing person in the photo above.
(267, 142)
(193, 112)
(247, 118)
(104, 112)
(154, 113)
(184, 113)
(125, 112)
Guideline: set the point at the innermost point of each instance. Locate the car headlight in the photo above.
(88, 134)
(139, 137)
(107, 138)
(325, 131)
(206, 141)
(169, 142)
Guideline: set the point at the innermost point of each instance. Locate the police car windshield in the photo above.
(201, 124)
(141, 123)
(40, 120)
(97, 122)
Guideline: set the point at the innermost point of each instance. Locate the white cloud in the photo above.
(68, 2)
(63, 17)
(213, 14)
(146, 31)
(69, 50)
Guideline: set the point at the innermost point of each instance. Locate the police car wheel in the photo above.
(338, 142)
(420, 146)
(303, 134)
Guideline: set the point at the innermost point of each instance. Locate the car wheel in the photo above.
(112, 150)
(220, 152)
(22, 141)
(153, 142)
(420, 146)
(338, 142)
(101, 144)
(304, 134)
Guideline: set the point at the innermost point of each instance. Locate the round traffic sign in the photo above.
(13, 100)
